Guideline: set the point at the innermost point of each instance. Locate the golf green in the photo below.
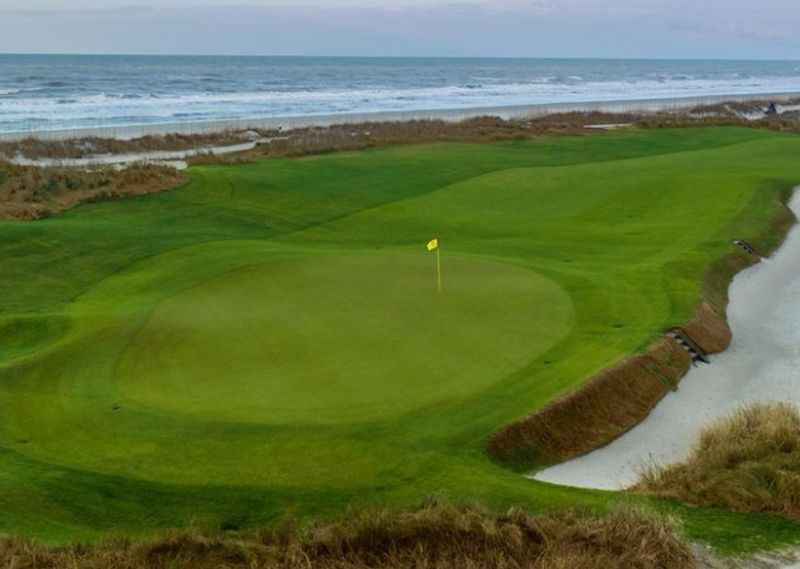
(269, 340)
(338, 338)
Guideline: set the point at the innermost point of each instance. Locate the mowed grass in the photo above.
(324, 339)
(269, 339)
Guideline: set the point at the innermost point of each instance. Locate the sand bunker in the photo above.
(762, 364)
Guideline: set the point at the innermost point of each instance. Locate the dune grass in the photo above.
(268, 338)
(28, 192)
(433, 536)
(748, 462)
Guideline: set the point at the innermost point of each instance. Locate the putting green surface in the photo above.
(269, 338)
(331, 338)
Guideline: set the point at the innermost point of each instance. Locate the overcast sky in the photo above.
(516, 28)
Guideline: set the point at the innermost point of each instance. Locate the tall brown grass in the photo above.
(748, 462)
(436, 536)
(29, 193)
(349, 137)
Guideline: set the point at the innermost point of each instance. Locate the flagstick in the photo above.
(439, 269)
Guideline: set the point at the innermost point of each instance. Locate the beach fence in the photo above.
(125, 132)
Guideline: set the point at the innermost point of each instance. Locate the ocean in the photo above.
(41, 93)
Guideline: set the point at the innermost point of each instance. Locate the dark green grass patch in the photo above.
(27, 334)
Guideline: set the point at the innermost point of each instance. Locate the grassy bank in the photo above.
(620, 397)
(268, 338)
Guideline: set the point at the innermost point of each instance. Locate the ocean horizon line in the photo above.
(404, 57)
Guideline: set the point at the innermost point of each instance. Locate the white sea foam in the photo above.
(108, 109)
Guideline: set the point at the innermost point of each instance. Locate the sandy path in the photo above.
(173, 158)
(762, 364)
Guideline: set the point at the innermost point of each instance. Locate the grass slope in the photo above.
(268, 338)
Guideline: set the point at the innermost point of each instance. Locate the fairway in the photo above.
(269, 338)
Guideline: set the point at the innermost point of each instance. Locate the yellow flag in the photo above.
(433, 244)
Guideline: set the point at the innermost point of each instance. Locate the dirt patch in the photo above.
(436, 536)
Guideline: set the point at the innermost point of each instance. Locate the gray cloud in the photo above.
(632, 28)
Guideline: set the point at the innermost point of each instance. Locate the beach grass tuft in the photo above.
(747, 462)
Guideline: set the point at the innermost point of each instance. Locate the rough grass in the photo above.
(436, 536)
(361, 136)
(748, 462)
(319, 140)
(29, 193)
